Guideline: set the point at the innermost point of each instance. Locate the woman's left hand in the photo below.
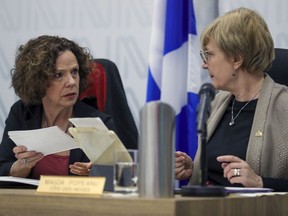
(237, 170)
(80, 168)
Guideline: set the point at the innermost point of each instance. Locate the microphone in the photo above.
(207, 94)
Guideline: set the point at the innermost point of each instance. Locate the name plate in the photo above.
(71, 185)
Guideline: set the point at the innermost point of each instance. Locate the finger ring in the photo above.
(24, 161)
(236, 172)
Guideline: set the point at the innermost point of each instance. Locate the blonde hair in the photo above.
(242, 32)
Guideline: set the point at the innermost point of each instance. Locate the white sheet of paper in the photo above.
(247, 190)
(89, 123)
(20, 180)
(45, 140)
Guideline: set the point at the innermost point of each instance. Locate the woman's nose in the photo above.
(204, 65)
(70, 80)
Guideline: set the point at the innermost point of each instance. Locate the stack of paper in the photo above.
(26, 181)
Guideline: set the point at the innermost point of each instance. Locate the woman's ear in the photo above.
(238, 61)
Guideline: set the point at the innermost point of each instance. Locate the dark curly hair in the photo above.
(35, 66)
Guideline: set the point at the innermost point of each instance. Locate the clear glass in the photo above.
(126, 171)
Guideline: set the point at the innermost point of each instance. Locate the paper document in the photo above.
(96, 140)
(247, 190)
(19, 180)
(45, 140)
(95, 122)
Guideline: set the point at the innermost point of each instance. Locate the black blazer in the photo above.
(23, 117)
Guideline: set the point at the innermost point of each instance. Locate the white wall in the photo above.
(115, 29)
(274, 12)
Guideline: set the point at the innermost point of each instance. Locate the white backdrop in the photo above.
(274, 12)
(115, 29)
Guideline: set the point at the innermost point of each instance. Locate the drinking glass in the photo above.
(126, 171)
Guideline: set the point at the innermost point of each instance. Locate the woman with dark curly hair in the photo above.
(49, 73)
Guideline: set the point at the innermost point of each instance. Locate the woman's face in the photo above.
(219, 66)
(64, 87)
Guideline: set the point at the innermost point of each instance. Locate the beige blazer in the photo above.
(267, 151)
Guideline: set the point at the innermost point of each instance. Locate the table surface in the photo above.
(29, 202)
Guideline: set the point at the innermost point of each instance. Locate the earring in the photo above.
(234, 74)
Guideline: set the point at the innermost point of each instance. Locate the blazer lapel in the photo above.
(255, 144)
(32, 118)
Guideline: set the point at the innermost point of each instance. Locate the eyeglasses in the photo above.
(205, 55)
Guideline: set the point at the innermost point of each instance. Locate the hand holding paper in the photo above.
(90, 134)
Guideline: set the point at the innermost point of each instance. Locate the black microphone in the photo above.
(206, 94)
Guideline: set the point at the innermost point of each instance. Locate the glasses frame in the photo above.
(205, 55)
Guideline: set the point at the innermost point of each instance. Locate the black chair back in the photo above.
(107, 84)
(279, 69)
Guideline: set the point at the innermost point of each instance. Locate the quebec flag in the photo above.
(174, 67)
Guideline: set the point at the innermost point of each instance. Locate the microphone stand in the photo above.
(203, 157)
(203, 189)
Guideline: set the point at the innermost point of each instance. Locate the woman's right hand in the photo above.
(25, 161)
(183, 166)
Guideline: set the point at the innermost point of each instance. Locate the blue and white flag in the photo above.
(175, 65)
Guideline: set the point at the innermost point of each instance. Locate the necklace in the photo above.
(232, 122)
(46, 124)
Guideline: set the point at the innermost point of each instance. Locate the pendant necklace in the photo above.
(232, 122)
